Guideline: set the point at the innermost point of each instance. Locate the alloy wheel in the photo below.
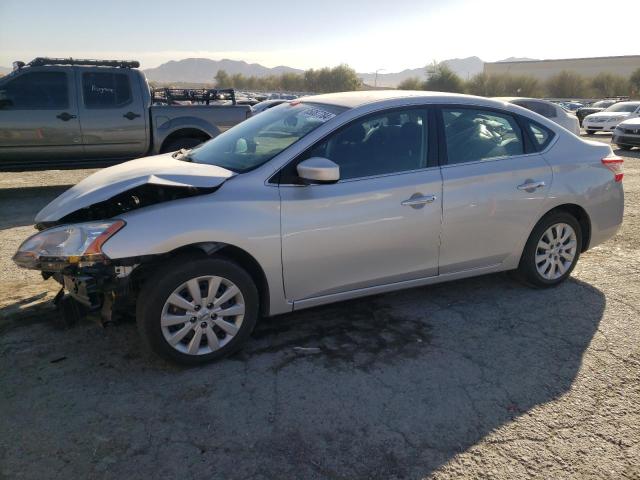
(556, 251)
(202, 315)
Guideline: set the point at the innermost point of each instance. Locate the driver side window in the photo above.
(390, 142)
(473, 135)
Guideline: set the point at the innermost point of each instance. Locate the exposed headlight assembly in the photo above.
(76, 244)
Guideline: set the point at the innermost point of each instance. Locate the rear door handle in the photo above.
(131, 115)
(530, 186)
(65, 117)
(418, 200)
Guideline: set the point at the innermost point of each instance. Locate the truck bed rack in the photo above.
(42, 61)
(196, 95)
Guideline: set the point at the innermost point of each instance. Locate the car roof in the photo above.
(512, 99)
(359, 98)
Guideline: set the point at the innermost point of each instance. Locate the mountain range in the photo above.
(203, 70)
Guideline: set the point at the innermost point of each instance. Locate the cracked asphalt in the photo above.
(480, 378)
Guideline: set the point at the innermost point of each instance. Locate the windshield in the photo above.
(258, 139)
(603, 104)
(623, 107)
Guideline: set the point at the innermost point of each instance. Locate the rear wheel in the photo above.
(591, 132)
(625, 147)
(197, 311)
(552, 251)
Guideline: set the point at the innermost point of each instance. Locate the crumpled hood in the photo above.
(161, 170)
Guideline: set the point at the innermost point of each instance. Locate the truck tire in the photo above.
(179, 143)
(196, 310)
(591, 132)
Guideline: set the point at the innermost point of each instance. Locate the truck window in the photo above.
(36, 90)
(105, 89)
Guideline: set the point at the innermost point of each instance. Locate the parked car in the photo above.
(267, 104)
(608, 119)
(594, 108)
(57, 112)
(549, 110)
(324, 199)
(627, 134)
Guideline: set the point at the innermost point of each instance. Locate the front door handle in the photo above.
(131, 115)
(417, 200)
(531, 186)
(65, 117)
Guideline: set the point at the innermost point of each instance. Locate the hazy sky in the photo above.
(366, 34)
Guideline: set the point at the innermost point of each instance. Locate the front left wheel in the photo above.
(198, 311)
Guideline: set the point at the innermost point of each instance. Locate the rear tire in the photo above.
(221, 320)
(543, 267)
(625, 147)
(591, 132)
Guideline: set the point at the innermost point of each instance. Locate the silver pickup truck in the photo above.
(62, 112)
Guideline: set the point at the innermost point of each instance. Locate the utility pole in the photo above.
(375, 81)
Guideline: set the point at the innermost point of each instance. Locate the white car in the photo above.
(552, 111)
(607, 120)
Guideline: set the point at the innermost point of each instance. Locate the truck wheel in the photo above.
(590, 132)
(552, 251)
(179, 143)
(625, 147)
(197, 311)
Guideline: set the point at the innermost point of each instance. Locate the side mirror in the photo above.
(318, 170)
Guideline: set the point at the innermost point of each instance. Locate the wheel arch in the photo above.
(206, 249)
(184, 132)
(581, 215)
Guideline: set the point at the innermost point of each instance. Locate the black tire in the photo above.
(527, 271)
(591, 132)
(625, 147)
(179, 143)
(155, 292)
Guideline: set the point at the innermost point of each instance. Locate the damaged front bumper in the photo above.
(104, 290)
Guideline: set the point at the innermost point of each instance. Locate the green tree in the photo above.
(486, 85)
(608, 85)
(442, 79)
(413, 83)
(567, 84)
(521, 86)
(634, 83)
(223, 80)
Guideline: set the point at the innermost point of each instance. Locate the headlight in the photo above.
(79, 243)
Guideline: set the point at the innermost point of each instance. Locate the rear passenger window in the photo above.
(36, 90)
(105, 90)
(473, 135)
(540, 135)
(541, 108)
(385, 143)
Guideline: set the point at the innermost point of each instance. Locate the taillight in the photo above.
(615, 164)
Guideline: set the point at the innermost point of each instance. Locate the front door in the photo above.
(493, 188)
(39, 116)
(112, 113)
(379, 224)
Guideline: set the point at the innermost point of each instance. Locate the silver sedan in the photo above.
(324, 199)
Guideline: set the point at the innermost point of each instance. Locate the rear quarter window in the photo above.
(105, 90)
(540, 136)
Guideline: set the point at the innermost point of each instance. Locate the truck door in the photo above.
(112, 113)
(39, 116)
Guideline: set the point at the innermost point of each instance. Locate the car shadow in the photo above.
(391, 386)
(18, 206)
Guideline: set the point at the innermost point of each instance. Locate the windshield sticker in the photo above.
(318, 113)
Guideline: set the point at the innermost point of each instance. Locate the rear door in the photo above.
(494, 186)
(112, 113)
(39, 116)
